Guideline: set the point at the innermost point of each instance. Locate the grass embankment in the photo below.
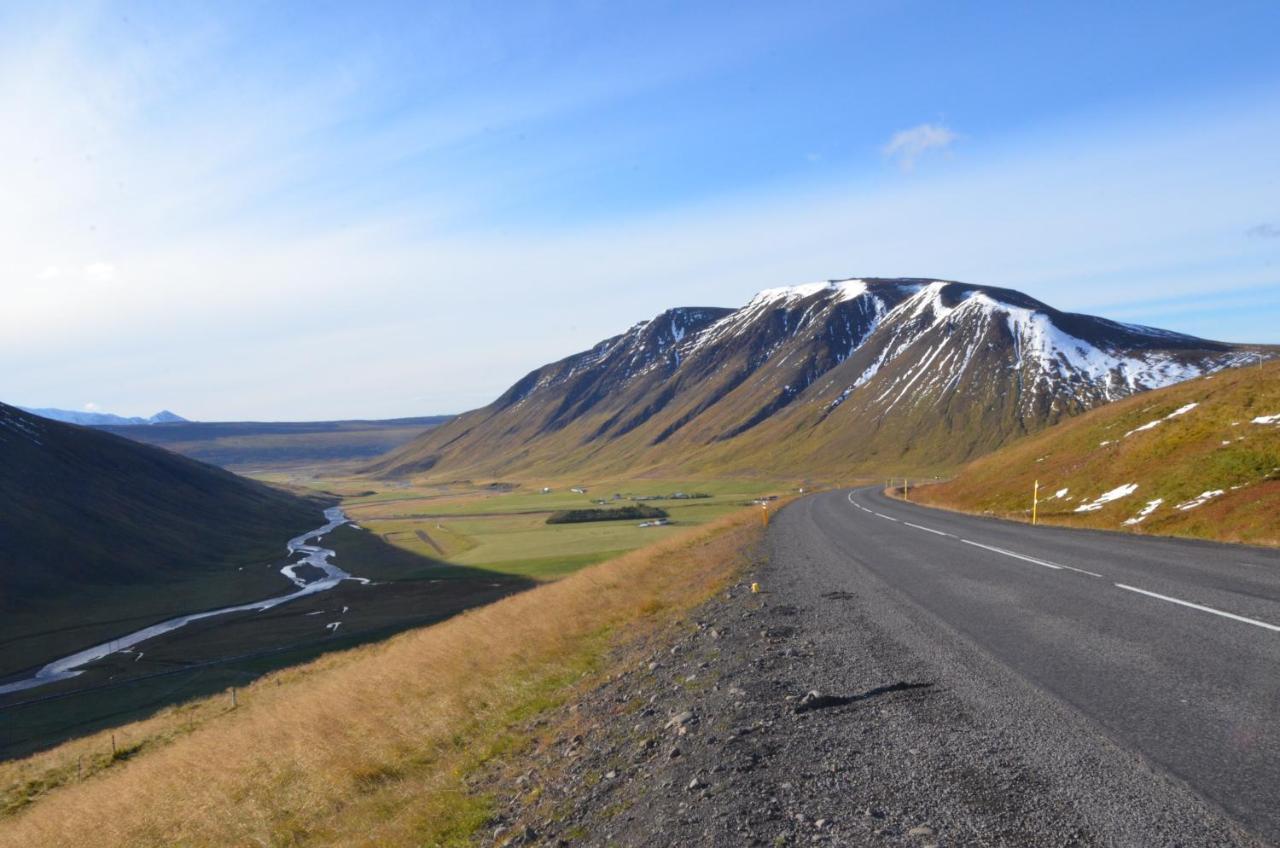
(373, 746)
(1207, 471)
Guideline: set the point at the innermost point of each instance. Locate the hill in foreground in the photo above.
(100, 534)
(832, 378)
(1201, 459)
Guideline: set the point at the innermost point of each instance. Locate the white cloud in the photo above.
(100, 272)
(91, 407)
(908, 145)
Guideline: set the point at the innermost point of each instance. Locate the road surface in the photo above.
(1169, 647)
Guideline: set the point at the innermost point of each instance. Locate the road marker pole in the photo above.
(1035, 502)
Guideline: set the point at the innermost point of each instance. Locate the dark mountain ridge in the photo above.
(95, 526)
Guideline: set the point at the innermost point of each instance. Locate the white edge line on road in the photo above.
(926, 529)
(882, 515)
(1200, 607)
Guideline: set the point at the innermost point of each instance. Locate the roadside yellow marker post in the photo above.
(906, 489)
(755, 588)
(765, 513)
(1035, 502)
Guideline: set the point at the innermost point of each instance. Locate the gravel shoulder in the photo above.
(827, 709)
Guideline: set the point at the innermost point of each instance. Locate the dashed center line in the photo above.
(1045, 563)
(1200, 607)
(1052, 565)
(1059, 567)
(926, 529)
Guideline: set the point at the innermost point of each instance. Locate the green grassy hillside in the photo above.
(1201, 459)
(100, 535)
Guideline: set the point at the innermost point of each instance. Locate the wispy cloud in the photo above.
(1264, 231)
(907, 146)
(99, 272)
(310, 240)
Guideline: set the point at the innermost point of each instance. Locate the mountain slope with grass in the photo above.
(375, 746)
(98, 533)
(1200, 459)
(853, 375)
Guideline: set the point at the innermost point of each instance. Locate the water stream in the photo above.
(313, 555)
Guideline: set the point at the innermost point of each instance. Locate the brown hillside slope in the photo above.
(1213, 468)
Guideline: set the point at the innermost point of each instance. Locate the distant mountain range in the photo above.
(860, 375)
(257, 446)
(99, 419)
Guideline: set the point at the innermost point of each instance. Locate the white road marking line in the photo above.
(1054, 566)
(1200, 607)
(1045, 563)
(926, 529)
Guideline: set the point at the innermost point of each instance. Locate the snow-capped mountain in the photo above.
(863, 373)
(101, 419)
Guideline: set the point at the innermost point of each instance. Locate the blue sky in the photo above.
(339, 210)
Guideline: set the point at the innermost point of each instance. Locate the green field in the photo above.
(502, 527)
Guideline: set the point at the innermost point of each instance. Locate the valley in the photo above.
(633, 425)
(407, 556)
(596, 509)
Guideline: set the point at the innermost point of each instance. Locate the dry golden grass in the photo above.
(372, 746)
(1213, 446)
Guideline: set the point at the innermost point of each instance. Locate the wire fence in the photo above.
(33, 723)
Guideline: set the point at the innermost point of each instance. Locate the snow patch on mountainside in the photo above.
(1151, 507)
(1200, 499)
(20, 426)
(1182, 410)
(1107, 497)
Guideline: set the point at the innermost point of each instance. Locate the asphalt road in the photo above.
(1171, 648)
